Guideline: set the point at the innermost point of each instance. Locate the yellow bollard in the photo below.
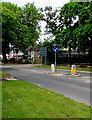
(73, 69)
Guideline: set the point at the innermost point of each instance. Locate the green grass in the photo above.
(25, 100)
(11, 64)
(67, 68)
(0, 99)
(3, 74)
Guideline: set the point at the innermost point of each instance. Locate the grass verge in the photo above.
(59, 67)
(25, 100)
(3, 74)
(0, 100)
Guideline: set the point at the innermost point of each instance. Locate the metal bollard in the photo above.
(73, 69)
(52, 68)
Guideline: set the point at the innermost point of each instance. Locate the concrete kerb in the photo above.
(10, 78)
(65, 74)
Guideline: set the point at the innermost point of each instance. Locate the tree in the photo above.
(71, 26)
(75, 17)
(9, 25)
(72, 22)
(20, 27)
(28, 30)
(52, 22)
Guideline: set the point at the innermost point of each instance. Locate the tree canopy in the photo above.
(28, 28)
(71, 26)
(9, 25)
(20, 27)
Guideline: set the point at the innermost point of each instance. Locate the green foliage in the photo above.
(79, 68)
(3, 74)
(10, 19)
(12, 60)
(51, 18)
(75, 17)
(71, 26)
(28, 29)
(20, 27)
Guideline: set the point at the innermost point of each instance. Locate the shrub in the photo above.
(26, 61)
(12, 60)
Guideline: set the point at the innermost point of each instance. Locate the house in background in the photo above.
(1, 56)
(35, 56)
(13, 54)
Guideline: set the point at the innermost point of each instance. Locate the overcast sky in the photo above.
(39, 3)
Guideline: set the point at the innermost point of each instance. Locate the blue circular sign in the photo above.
(55, 49)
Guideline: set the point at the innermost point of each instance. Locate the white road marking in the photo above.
(87, 81)
(4, 66)
(87, 77)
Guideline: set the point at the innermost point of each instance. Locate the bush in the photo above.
(26, 61)
(2, 60)
(20, 61)
(83, 66)
(12, 60)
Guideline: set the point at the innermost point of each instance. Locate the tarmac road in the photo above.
(77, 88)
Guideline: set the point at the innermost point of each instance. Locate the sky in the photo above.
(39, 3)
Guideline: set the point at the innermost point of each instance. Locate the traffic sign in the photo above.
(55, 49)
(43, 52)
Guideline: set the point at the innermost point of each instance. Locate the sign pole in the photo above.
(55, 50)
(41, 59)
(45, 60)
(55, 61)
(43, 54)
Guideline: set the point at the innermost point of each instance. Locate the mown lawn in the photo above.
(3, 74)
(0, 99)
(66, 68)
(25, 100)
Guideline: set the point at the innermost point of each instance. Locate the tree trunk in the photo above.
(69, 54)
(90, 52)
(4, 56)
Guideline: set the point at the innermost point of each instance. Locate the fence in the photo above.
(64, 57)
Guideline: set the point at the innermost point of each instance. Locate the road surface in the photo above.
(76, 88)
